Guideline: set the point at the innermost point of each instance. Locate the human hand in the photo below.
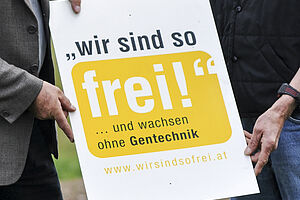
(266, 132)
(51, 103)
(248, 136)
(76, 5)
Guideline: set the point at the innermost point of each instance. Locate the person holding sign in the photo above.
(261, 45)
(29, 103)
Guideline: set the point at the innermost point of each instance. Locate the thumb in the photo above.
(76, 5)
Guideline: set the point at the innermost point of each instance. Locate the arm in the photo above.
(267, 129)
(21, 91)
(18, 90)
(51, 103)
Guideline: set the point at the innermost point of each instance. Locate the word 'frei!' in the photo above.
(109, 88)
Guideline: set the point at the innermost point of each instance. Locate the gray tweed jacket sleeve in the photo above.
(19, 84)
(18, 89)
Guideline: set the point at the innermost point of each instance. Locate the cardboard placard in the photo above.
(156, 115)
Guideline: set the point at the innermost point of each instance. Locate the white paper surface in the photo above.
(227, 177)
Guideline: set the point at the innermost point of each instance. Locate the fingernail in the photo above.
(247, 151)
(73, 107)
(77, 9)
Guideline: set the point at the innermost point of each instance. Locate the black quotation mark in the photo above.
(69, 56)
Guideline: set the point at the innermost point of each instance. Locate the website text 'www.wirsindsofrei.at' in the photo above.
(176, 162)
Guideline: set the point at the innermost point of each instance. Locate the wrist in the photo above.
(284, 106)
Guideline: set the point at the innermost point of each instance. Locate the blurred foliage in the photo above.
(67, 165)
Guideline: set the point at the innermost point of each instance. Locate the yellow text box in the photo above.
(149, 104)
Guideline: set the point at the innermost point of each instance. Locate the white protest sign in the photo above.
(156, 117)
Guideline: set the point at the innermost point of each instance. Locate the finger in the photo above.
(66, 104)
(247, 134)
(247, 137)
(253, 143)
(76, 5)
(66, 113)
(247, 140)
(259, 166)
(263, 158)
(276, 141)
(254, 158)
(63, 124)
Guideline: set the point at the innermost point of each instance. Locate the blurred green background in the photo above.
(67, 165)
